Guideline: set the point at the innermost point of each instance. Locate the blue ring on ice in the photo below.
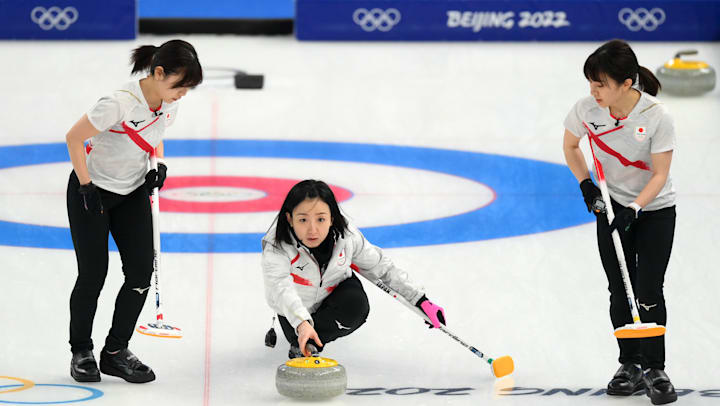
(531, 196)
(94, 394)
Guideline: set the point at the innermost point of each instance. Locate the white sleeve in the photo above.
(664, 138)
(574, 120)
(107, 112)
(374, 265)
(280, 293)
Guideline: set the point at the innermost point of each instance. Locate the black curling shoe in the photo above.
(126, 365)
(627, 380)
(83, 367)
(658, 387)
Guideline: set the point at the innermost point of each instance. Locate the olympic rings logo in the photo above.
(25, 384)
(641, 18)
(54, 17)
(376, 19)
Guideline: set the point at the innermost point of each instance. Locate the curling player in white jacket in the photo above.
(309, 261)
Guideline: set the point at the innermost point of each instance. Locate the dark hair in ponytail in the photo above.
(616, 60)
(175, 57)
(648, 82)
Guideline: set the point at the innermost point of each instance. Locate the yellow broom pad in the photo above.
(643, 330)
(502, 366)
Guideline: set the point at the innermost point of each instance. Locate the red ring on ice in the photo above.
(275, 190)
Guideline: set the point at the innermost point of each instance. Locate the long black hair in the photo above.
(308, 189)
(175, 56)
(616, 60)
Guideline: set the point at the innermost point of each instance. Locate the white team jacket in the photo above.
(294, 287)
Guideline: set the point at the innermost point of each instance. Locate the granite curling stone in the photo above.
(311, 378)
(686, 78)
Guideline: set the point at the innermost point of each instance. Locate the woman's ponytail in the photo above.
(141, 58)
(648, 82)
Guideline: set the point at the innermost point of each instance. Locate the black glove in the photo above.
(91, 200)
(592, 196)
(623, 219)
(156, 178)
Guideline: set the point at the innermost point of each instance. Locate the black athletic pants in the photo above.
(341, 313)
(647, 246)
(129, 219)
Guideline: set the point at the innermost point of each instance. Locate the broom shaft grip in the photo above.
(385, 288)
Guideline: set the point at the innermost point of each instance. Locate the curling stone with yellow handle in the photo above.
(686, 78)
(311, 378)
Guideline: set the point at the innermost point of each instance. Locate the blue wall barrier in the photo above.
(260, 9)
(517, 20)
(68, 19)
(243, 17)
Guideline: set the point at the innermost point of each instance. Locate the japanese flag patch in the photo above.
(640, 133)
(342, 258)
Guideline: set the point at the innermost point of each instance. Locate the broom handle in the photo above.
(385, 288)
(616, 238)
(155, 209)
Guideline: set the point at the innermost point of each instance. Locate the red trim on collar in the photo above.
(619, 119)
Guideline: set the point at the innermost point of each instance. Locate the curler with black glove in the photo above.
(156, 178)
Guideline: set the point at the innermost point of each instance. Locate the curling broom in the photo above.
(636, 329)
(157, 328)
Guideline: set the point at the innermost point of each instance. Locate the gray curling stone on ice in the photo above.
(311, 378)
(686, 78)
